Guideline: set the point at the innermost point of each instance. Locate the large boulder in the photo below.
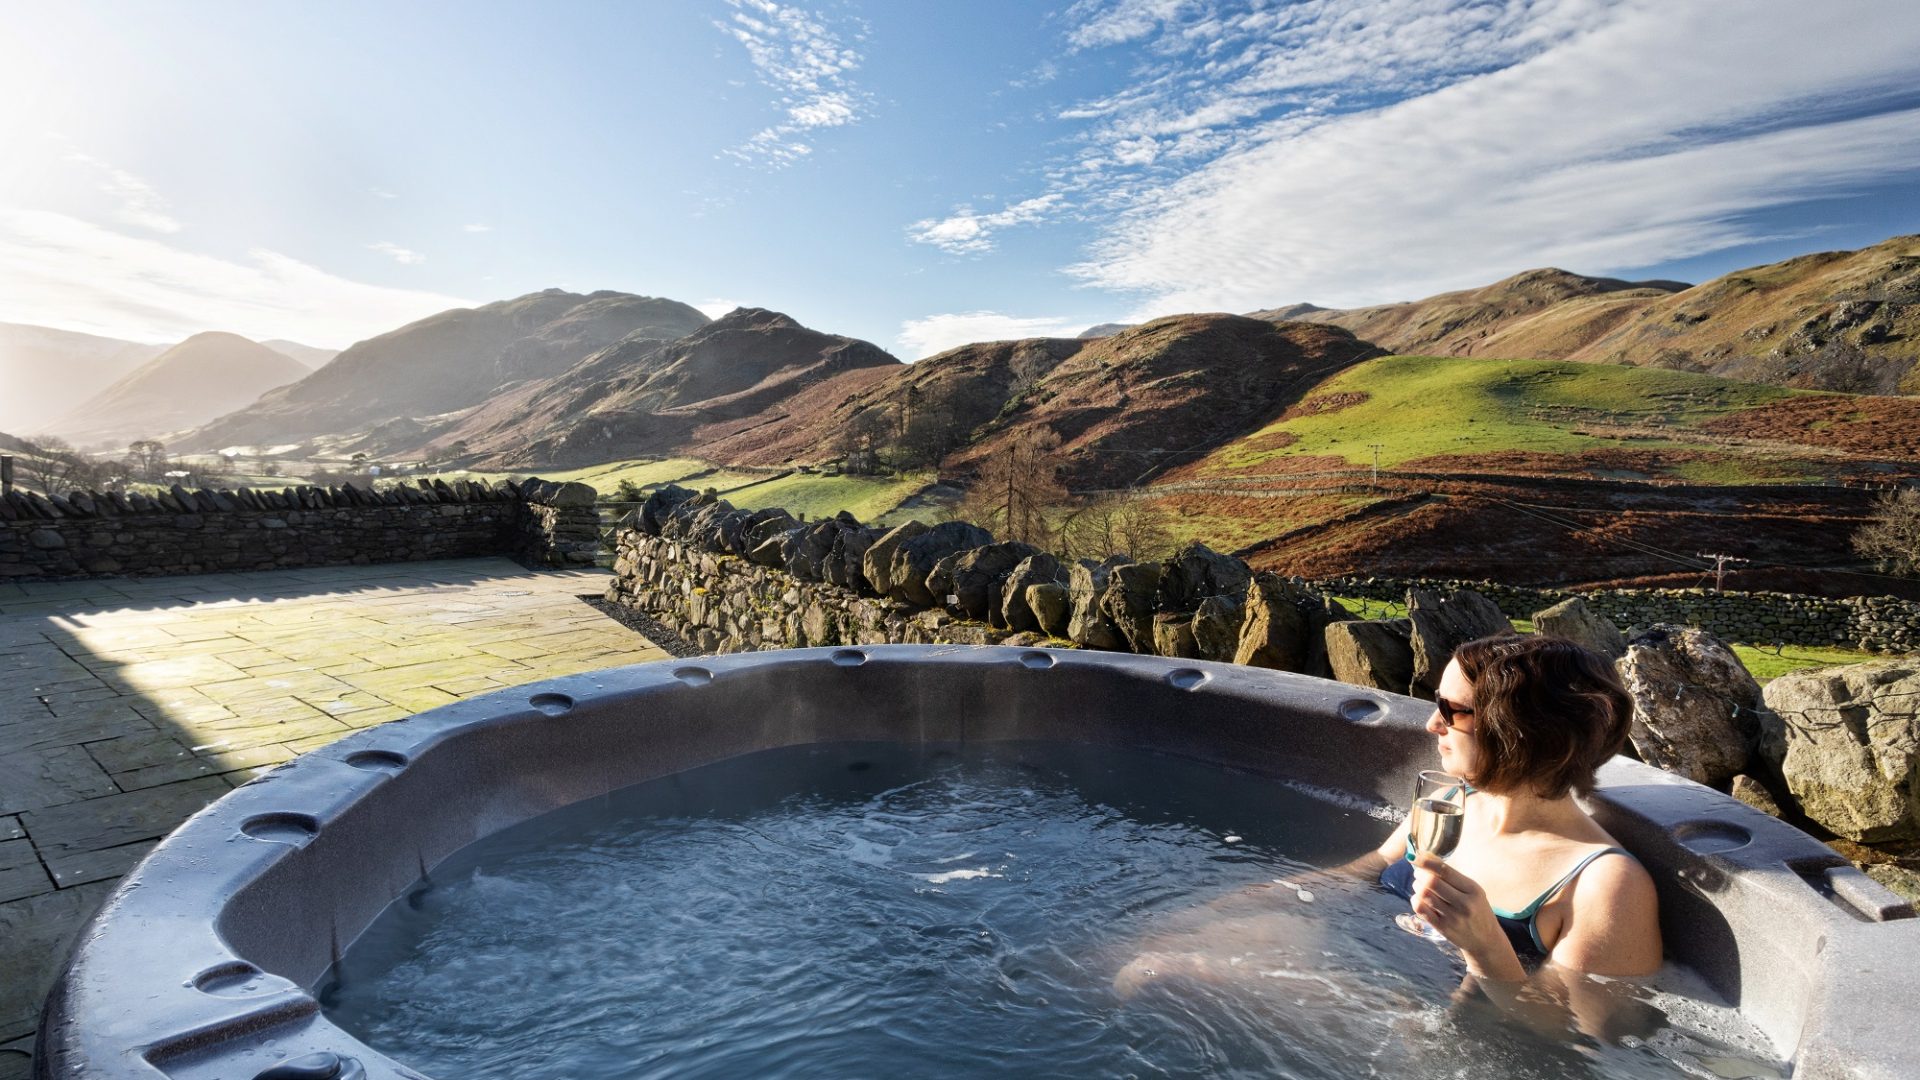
(877, 562)
(1087, 624)
(1574, 620)
(1216, 628)
(1127, 602)
(1016, 613)
(974, 577)
(1441, 624)
(1052, 607)
(1372, 652)
(1283, 625)
(1696, 710)
(1853, 746)
(1173, 635)
(845, 561)
(663, 501)
(914, 559)
(1196, 572)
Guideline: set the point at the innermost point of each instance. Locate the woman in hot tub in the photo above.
(1535, 884)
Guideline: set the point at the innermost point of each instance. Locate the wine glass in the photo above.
(1439, 814)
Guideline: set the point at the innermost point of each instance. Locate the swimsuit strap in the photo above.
(1527, 913)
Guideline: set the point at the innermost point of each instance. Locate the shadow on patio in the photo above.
(128, 704)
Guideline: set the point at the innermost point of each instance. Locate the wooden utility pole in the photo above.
(1376, 462)
(1720, 567)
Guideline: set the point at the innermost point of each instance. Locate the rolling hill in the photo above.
(309, 357)
(46, 372)
(197, 380)
(1846, 320)
(446, 362)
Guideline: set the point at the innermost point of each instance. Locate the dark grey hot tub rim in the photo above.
(204, 962)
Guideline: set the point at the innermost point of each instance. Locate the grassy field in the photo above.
(869, 498)
(1415, 407)
(1764, 662)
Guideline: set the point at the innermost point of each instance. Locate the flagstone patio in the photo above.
(128, 704)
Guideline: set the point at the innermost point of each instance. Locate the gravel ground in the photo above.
(653, 631)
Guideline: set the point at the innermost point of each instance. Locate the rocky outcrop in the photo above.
(1087, 624)
(1439, 624)
(914, 558)
(1852, 756)
(1574, 620)
(877, 562)
(1283, 625)
(972, 580)
(1197, 572)
(1128, 603)
(1216, 628)
(1372, 652)
(1016, 610)
(1696, 710)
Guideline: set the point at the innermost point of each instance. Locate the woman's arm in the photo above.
(1368, 866)
(1454, 904)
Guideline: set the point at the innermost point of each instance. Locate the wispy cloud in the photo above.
(476, 228)
(965, 232)
(381, 193)
(138, 203)
(806, 63)
(403, 256)
(921, 338)
(64, 272)
(1602, 138)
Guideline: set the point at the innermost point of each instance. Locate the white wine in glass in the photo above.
(1439, 815)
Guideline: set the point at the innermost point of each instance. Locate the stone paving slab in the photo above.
(125, 706)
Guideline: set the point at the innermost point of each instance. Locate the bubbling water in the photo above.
(872, 909)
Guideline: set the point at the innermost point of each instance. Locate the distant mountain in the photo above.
(639, 396)
(1165, 392)
(1105, 329)
(46, 372)
(946, 397)
(203, 377)
(448, 362)
(1846, 320)
(1123, 407)
(310, 358)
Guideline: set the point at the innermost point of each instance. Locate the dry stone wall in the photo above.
(92, 534)
(1877, 623)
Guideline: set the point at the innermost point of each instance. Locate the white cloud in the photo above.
(965, 232)
(401, 255)
(476, 228)
(921, 338)
(382, 193)
(67, 273)
(139, 203)
(1653, 136)
(805, 62)
(715, 308)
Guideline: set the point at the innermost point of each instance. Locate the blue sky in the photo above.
(921, 173)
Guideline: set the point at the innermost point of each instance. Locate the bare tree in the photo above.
(1891, 536)
(1116, 525)
(1017, 489)
(50, 463)
(147, 460)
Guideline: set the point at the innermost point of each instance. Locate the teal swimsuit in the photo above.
(1397, 878)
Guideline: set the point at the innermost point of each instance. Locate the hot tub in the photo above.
(204, 963)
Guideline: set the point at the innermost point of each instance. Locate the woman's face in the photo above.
(1459, 753)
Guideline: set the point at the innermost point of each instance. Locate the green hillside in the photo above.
(1418, 409)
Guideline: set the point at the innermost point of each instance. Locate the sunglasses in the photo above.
(1450, 712)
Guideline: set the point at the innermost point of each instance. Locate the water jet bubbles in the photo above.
(1230, 838)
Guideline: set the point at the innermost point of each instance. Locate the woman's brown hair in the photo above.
(1547, 712)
